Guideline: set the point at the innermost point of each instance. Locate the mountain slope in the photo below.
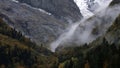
(104, 52)
(101, 53)
(61, 9)
(37, 25)
(17, 51)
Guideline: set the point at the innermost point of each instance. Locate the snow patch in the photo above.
(15, 1)
(41, 10)
(82, 4)
(85, 10)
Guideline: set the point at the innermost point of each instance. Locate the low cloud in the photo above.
(88, 29)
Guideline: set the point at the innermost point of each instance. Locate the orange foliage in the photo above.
(105, 64)
(87, 65)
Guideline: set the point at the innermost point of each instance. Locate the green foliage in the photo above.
(114, 2)
(9, 56)
(96, 57)
(17, 51)
(8, 31)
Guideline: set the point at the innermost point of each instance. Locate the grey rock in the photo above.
(92, 6)
(61, 9)
(39, 26)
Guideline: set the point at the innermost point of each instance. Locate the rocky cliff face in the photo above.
(38, 25)
(61, 9)
(92, 5)
(95, 4)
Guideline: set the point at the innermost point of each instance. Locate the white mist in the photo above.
(80, 32)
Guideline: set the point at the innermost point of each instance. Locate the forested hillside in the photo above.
(101, 53)
(17, 51)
